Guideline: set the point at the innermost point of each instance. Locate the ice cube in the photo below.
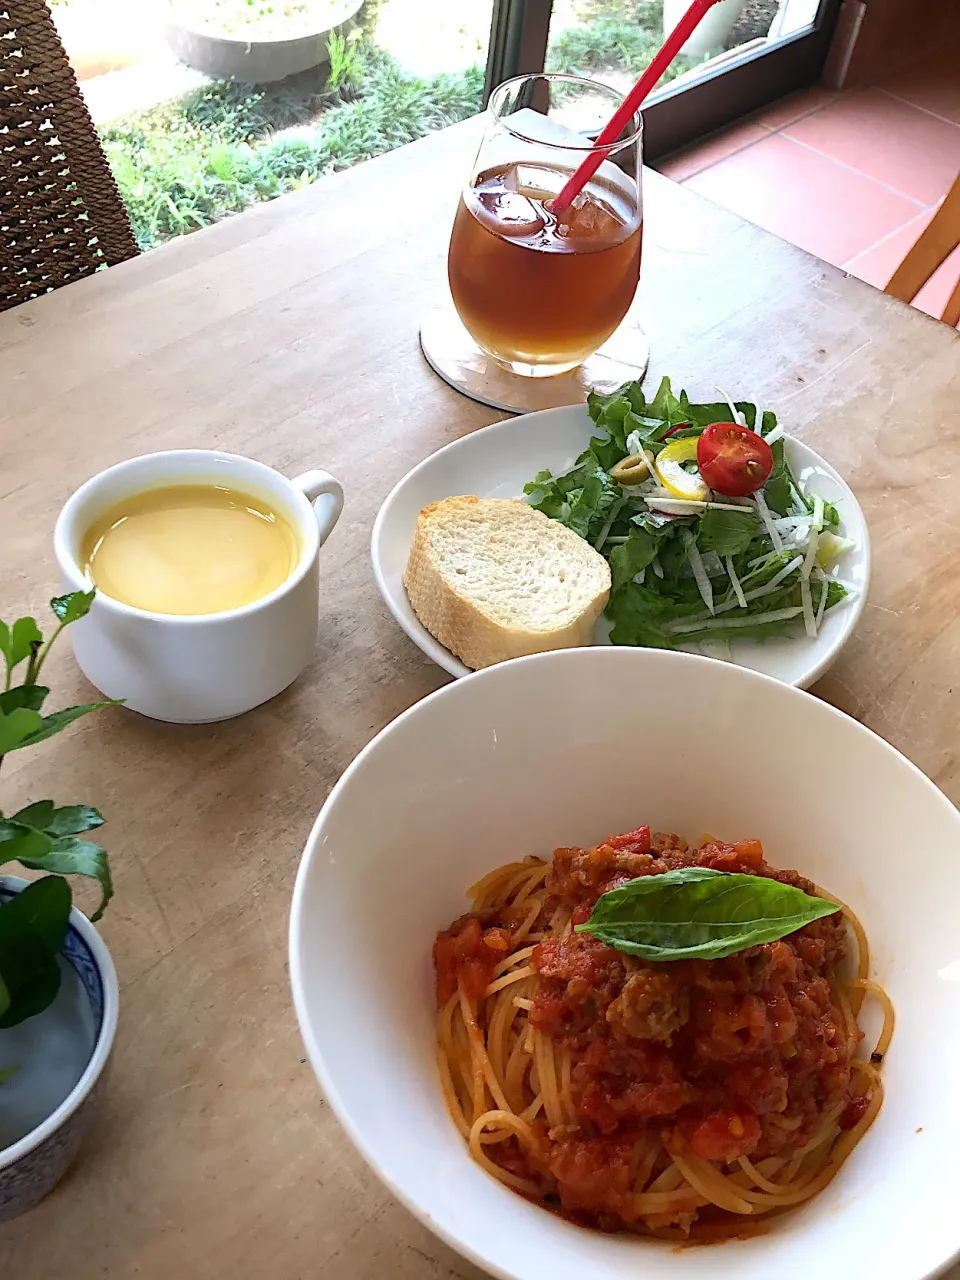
(508, 212)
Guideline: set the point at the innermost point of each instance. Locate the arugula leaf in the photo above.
(727, 532)
(699, 913)
(33, 926)
(637, 614)
(628, 558)
(777, 491)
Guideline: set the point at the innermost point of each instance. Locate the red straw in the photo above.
(671, 47)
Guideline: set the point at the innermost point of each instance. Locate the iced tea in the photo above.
(537, 290)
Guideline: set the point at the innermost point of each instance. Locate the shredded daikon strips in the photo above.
(810, 559)
(691, 505)
(817, 511)
(822, 603)
(731, 624)
(734, 414)
(768, 520)
(776, 434)
(657, 567)
(757, 593)
(704, 585)
(634, 442)
(809, 621)
(614, 512)
(735, 581)
(639, 577)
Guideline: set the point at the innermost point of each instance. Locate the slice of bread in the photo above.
(492, 579)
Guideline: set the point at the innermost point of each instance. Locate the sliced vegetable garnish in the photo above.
(697, 913)
(691, 564)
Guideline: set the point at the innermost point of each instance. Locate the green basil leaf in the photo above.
(6, 645)
(47, 726)
(727, 532)
(71, 857)
(70, 607)
(16, 727)
(31, 696)
(698, 913)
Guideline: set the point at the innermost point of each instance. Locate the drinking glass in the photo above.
(540, 292)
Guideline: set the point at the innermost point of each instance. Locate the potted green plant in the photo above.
(257, 41)
(58, 988)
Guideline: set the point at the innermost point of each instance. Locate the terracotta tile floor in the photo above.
(852, 177)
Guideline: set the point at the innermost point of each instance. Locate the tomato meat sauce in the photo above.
(721, 1059)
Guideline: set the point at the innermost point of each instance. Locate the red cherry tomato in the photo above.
(733, 460)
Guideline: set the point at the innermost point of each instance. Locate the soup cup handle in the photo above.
(316, 485)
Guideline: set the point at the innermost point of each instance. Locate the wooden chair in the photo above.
(932, 249)
(61, 216)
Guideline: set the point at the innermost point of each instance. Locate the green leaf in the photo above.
(70, 607)
(33, 926)
(727, 532)
(776, 491)
(23, 637)
(31, 696)
(6, 645)
(19, 840)
(627, 559)
(699, 913)
(637, 614)
(47, 726)
(71, 857)
(4, 1006)
(69, 820)
(16, 727)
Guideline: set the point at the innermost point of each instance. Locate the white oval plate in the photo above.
(497, 461)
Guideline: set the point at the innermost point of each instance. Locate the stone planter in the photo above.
(47, 1105)
(254, 61)
(712, 32)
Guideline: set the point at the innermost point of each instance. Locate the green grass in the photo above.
(215, 153)
(185, 165)
(627, 39)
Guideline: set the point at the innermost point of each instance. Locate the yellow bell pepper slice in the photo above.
(685, 484)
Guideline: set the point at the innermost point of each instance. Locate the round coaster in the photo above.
(452, 353)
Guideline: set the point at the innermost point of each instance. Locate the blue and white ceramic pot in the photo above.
(59, 1057)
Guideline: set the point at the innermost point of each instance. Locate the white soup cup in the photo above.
(196, 668)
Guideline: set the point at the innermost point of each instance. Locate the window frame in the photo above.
(679, 113)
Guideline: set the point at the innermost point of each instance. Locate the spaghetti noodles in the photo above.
(682, 1099)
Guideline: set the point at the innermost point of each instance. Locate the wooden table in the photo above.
(290, 334)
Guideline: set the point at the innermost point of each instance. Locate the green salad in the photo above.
(709, 535)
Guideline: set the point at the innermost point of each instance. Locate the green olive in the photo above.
(632, 470)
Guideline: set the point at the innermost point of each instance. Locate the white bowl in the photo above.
(562, 749)
(497, 461)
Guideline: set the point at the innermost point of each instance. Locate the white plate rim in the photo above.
(441, 655)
